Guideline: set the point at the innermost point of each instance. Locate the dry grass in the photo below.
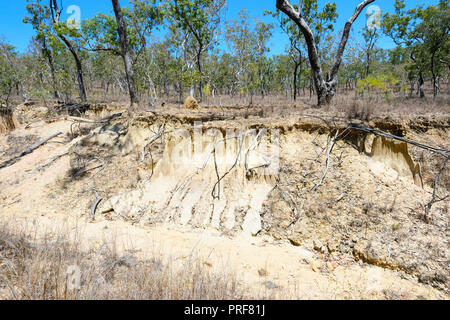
(32, 268)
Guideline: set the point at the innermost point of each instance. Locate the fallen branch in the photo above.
(36, 121)
(28, 151)
(95, 205)
(78, 120)
(49, 162)
(442, 152)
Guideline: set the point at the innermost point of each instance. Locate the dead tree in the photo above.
(325, 85)
(125, 53)
(56, 14)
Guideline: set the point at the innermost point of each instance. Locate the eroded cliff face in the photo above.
(8, 120)
(206, 178)
(395, 155)
(369, 206)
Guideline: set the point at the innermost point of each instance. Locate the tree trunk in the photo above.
(421, 85)
(122, 30)
(49, 56)
(79, 67)
(199, 67)
(433, 74)
(295, 81)
(325, 87)
(56, 13)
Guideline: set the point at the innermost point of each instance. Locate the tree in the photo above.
(62, 30)
(241, 41)
(432, 35)
(39, 18)
(263, 34)
(8, 74)
(295, 45)
(200, 19)
(325, 85)
(122, 30)
(398, 27)
(101, 35)
(425, 33)
(371, 37)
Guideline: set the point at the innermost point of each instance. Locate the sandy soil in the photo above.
(266, 266)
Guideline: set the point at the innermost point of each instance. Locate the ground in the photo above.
(292, 232)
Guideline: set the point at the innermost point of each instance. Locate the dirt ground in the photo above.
(289, 232)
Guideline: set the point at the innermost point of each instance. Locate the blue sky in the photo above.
(19, 34)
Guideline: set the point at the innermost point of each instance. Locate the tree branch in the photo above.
(345, 35)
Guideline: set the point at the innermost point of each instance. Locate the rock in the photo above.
(190, 103)
(295, 242)
(330, 266)
(318, 245)
(313, 265)
(332, 247)
(262, 272)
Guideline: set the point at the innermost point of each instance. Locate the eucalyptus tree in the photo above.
(424, 33)
(325, 85)
(398, 26)
(371, 36)
(242, 45)
(69, 36)
(199, 20)
(125, 53)
(130, 41)
(8, 73)
(38, 16)
(296, 45)
(432, 36)
(263, 33)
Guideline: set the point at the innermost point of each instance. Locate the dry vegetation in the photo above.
(347, 220)
(37, 268)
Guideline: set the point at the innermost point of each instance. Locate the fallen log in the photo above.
(443, 152)
(28, 151)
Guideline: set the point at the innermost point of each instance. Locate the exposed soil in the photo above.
(287, 228)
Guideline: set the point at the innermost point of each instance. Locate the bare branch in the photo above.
(345, 35)
(28, 151)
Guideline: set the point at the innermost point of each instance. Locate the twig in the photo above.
(333, 143)
(434, 197)
(95, 205)
(89, 169)
(153, 139)
(49, 162)
(219, 178)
